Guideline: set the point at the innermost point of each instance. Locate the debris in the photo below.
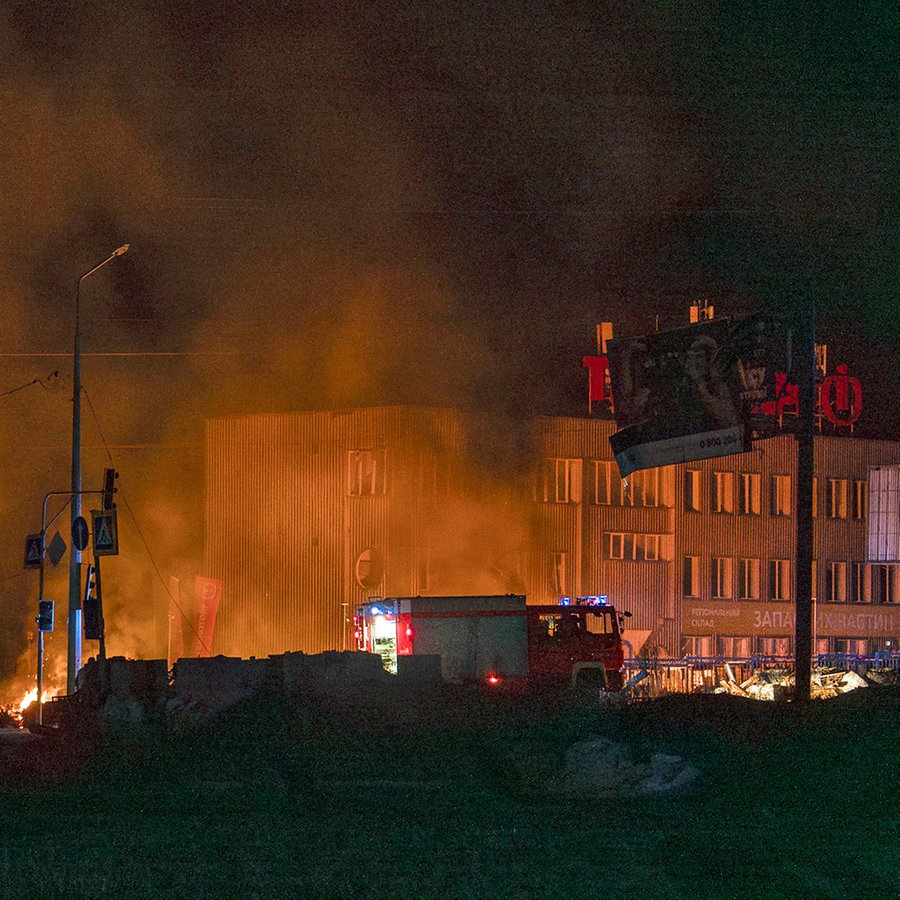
(775, 684)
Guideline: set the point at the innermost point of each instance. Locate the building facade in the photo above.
(310, 514)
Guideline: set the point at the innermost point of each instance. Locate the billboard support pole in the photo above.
(804, 522)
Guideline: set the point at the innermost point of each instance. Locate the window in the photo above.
(779, 579)
(721, 577)
(748, 497)
(639, 547)
(700, 646)
(690, 581)
(858, 500)
(607, 484)
(882, 584)
(748, 579)
(836, 498)
(365, 473)
(562, 481)
(780, 495)
(733, 647)
(646, 546)
(774, 646)
(722, 492)
(614, 545)
(858, 583)
(836, 582)
(642, 488)
(558, 583)
(692, 490)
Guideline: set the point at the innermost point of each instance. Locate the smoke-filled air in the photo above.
(331, 205)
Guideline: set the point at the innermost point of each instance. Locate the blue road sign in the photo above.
(80, 533)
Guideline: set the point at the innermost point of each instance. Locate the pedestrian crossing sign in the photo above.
(106, 533)
(34, 551)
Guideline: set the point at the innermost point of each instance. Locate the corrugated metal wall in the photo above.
(284, 533)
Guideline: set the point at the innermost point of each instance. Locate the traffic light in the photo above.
(109, 487)
(92, 607)
(45, 615)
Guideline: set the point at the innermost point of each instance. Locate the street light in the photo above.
(74, 644)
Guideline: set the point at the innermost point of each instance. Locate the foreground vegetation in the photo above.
(456, 795)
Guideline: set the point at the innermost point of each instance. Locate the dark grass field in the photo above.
(455, 795)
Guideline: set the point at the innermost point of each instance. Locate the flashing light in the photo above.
(493, 679)
(594, 600)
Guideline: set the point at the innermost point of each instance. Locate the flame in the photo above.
(29, 698)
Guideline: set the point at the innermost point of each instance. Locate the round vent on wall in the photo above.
(369, 568)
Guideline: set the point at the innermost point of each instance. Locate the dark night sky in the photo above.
(355, 203)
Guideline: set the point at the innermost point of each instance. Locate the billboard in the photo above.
(690, 393)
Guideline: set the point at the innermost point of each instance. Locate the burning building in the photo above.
(309, 513)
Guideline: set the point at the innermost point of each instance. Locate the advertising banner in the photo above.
(736, 618)
(208, 595)
(689, 394)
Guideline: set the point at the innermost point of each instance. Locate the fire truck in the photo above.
(497, 640)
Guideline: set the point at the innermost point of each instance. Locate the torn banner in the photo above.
(686, 394)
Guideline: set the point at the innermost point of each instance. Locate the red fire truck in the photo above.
(500, 640)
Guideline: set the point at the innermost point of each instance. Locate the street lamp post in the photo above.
(74, 624)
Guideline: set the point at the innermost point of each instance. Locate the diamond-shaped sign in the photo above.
(56, 548)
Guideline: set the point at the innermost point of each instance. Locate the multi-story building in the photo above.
(309, 514)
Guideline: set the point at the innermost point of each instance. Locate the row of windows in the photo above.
(743, 646)
(843, 498)
(740, 579)
(561, 483)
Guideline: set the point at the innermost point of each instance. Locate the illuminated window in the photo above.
(562, 481)
(836, 582)
(692, 490)
(721, 492)
(748, 579)
(779, 579)
(780, 495)
(690, 578)
(721, 577)
(858, 500)
(748, 497)
(365, 473)
(836, 498)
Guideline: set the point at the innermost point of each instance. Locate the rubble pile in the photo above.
(778, 684)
